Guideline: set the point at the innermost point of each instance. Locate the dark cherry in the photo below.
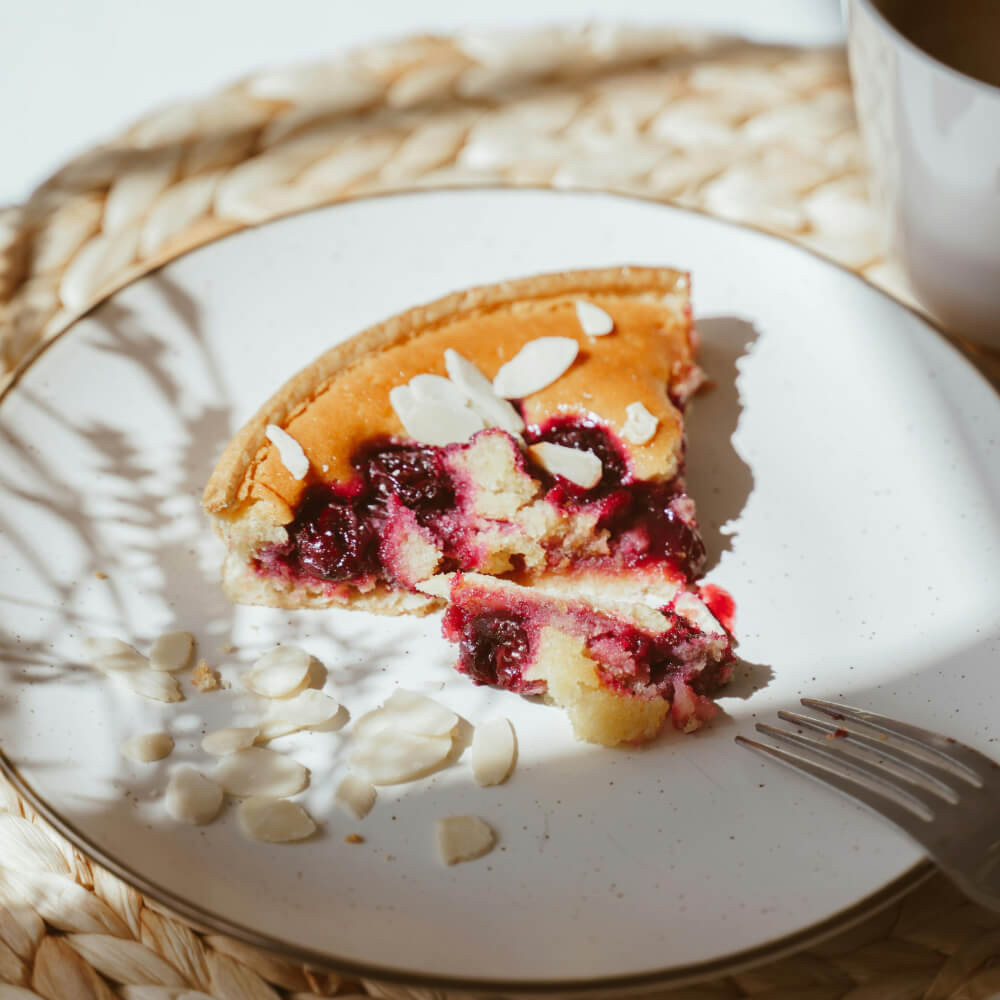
(670, 537)
(663, 662)
(587, 435)
(494, 649)
(333, 542)
(414, 474)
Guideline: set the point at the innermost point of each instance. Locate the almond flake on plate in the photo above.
(492, 752)
(356, 796)
(279, 673)
(581, 467)
(191, 797)
(478, 390)
(410, 711)
(307, 710)
(154, 684)
(171, 651)
(293, 458)
(108, 654)
(144, 748)
(432, 422)
(640, 424)
(275, 821)
(257, 771)
(594, 321)
(463, 838)
(393, 756)
(220, 742)
(538, 364)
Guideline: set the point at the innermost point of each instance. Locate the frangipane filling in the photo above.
(618, 669)
(485, 505)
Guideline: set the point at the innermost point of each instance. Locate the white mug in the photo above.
(933, 136)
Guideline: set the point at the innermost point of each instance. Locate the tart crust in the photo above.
(341, 400)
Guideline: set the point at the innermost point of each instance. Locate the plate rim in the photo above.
(965, 348)
(206, 921)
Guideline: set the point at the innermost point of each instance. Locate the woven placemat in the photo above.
(763, 135)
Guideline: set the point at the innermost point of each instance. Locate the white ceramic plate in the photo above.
(846, 467)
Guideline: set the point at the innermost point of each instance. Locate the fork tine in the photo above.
(853, 767)
(853, 788)
(899, 757)
(962, 760)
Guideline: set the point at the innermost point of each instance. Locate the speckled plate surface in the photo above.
(847, 471)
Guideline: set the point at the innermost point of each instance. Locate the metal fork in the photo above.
(941, 792)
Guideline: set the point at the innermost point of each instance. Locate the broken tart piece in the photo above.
(531, 429)
(619, 670)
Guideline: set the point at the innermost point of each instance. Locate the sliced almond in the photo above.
(640, 424)
(258, 771)
(191, 797)
(273, 727)
(430, 388)
(463, 838)
(154, 684)
(219, 742)
(371, 723)
(433, 422)
(581, 467)
(275, 821)
(392, 756)
(403, 401)
(144, 748)
(418, 714)
(478, 389)
(171, 651)
(409, 712)
(356, 796)
(109, 654)
(279, 673)
(594, 321)
(538, 364)
(466, 375)
(492, 752)
(497, 412)
(307, 710)
(293, 458)
(436, 586)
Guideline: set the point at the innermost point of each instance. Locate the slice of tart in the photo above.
(530, 429)
(619, 670)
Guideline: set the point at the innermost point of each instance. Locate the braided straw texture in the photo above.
(758, 134)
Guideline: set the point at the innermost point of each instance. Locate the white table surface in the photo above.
(73, 72)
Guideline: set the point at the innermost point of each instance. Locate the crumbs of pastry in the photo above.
(204, 678)
(100, 575)
(226, 648)
(354, 838)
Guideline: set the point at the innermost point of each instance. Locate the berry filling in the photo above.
(414, 474)
(407, 493)
(494, 649)
(582, 435)
(648, 522)
(498, 637)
